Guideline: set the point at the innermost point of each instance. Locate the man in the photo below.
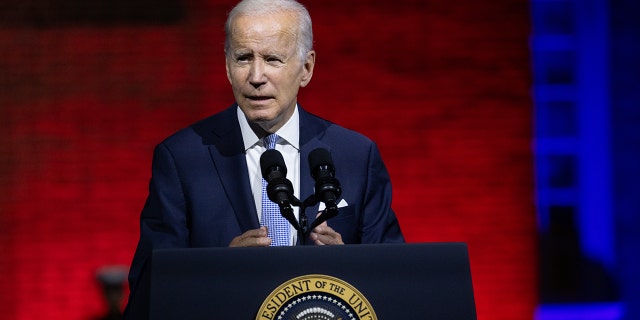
(205, 189)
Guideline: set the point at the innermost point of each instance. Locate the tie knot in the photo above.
(270, 141)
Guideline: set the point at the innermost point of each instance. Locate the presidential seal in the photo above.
(316, 297)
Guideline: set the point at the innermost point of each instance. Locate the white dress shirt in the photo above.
(289, 146)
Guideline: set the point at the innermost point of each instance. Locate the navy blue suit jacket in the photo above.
(199, 194)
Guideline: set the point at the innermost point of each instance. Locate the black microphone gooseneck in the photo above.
(279, 188)
(327, 187)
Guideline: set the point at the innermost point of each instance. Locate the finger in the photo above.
(324, 229)
(250, 242)
(324, 239)
(256, 233)
(252, 238)
(316, 239)
(323, 235)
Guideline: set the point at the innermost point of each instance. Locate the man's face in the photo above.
(264, 68)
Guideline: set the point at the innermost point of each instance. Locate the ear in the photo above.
(226, 66)
(307, 71)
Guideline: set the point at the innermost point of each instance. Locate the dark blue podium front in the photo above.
(400, 281)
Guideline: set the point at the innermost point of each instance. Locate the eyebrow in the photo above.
(241, 52)
(249, 52)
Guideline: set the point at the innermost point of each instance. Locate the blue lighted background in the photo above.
(586, 59)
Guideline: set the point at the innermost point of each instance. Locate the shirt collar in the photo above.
(290, 132)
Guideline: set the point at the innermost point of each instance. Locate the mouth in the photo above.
(259, 98)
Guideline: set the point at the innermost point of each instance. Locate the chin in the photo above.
(262, 120)
(260, 116)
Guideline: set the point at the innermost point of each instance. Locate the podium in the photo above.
(384, 281)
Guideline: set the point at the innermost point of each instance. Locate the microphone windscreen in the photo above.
(320, 157)
(271, 160)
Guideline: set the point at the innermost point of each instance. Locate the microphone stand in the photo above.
(303, 232)
(302, 226)
(329, 212)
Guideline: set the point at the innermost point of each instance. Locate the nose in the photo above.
(256, 73)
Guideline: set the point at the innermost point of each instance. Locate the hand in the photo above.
(323, 235)
(252, 238)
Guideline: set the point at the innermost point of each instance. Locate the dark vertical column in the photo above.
(625, 88)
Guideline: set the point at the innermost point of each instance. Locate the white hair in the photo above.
(263, 7)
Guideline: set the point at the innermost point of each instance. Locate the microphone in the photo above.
(279, 188)
(327, 187)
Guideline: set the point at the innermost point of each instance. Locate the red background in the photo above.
(442, 86)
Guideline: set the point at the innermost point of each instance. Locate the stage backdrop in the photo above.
(87, 90)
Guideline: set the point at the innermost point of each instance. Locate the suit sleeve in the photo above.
(379, 222)
(163, 224)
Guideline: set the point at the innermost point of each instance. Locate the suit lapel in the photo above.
(227, 153)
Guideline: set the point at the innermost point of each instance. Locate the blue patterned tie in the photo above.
(277, 225)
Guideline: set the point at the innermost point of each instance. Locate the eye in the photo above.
(243, 58)
(275, 60)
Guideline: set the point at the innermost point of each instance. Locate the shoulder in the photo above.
(331, 133)
(204, 132)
